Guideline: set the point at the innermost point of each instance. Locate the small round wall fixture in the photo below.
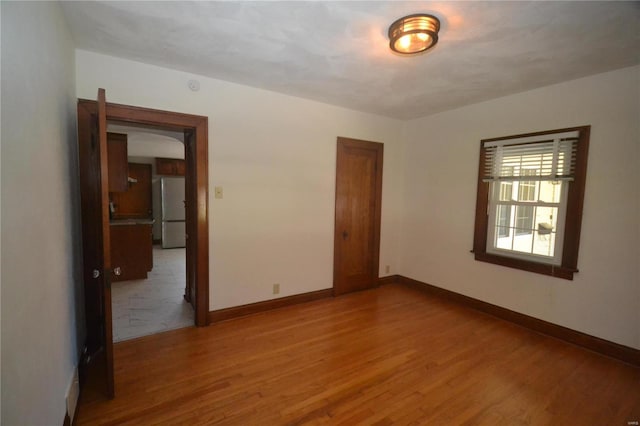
(194, 85)
(414, 33)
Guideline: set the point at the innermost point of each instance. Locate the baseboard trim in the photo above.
(391, 279)
(596, 344)
(267, 305)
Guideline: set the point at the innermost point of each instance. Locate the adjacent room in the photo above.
(147, 230)
(320, 212)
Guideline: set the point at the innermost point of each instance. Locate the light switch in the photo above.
(218, 191)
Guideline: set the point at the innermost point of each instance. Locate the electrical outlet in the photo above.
(276, 289)
(387, 269)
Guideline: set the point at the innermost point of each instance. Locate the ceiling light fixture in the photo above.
(414, 33)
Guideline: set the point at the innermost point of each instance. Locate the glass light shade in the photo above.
(414, 33)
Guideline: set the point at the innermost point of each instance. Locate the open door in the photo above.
(96, 365)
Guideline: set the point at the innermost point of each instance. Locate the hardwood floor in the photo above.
(392, 355)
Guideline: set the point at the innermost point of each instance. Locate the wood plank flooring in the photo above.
(387, 356)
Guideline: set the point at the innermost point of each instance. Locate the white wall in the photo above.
(149, 145)
(440, 193)
(39, 214)
(274, 155)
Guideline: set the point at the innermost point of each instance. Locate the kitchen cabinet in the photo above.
(117, 164)
(170, 167)
(135, 203)
(131, 249)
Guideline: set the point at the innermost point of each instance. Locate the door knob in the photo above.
(95, 273)
(117, 271)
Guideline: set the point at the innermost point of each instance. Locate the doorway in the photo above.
(358, 214)
(195, 129)
(148, 232)
(96, 365)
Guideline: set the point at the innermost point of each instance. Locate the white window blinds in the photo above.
(531, 158)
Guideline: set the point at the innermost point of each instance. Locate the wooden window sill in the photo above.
(525, 265)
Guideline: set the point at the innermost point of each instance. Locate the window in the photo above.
(529, 205)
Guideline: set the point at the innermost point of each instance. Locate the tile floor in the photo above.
(154, 305)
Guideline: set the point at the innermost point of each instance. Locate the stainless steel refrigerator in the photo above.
(173, 214)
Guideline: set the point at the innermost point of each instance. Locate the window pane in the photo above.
(503, 220)
(503, 229)
(504, 238)
(550, 191)
(504, 234)
(545, 229)
(506, 191)
(524, 220)
(523, 242)
(546, 217)
(527, 189)
(543, 244)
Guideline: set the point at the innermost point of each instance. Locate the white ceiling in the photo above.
(337, 51)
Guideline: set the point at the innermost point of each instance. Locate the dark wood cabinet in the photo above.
(131, 251)
(170, 167)
(131, 241)
(118, 166)
(135, 203)
(180, 167)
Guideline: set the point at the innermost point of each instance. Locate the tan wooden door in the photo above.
(97, 358)
(357, 221)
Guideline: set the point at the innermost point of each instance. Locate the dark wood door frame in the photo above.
(196, 180)
(343, 145)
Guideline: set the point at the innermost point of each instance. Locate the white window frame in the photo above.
(492, 237)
